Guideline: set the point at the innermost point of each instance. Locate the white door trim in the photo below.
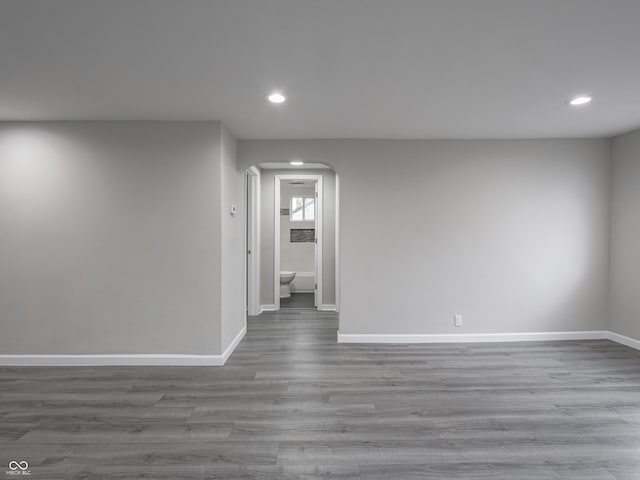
(318, 227)
(276, 240)
(252, 241)
(337, 244)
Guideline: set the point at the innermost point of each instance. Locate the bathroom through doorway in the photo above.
(292, 222)
(298, 241)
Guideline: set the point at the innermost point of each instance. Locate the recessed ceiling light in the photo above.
(296, 163)
(276, 97)
(581, 100)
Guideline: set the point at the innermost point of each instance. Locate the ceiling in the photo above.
(349, 68)
(300, 183)
(288, 166)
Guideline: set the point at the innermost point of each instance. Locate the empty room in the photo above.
(303, 239)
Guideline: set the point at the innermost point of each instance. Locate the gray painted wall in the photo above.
(116, 237)
(625, 236)
(111, 237)
(511, 234)
(267, 219)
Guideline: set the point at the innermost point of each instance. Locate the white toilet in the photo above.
(285, 279)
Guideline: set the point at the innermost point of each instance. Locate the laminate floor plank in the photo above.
(292, 403)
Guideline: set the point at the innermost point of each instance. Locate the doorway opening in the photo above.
(291, 238)
(298, 241)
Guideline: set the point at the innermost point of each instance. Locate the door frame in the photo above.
(337, 242)
(252, 242)
(318, 236)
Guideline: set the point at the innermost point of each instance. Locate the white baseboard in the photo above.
(472, 337)
(628, 341)
(266, 308)
(155, 359)
(150, 359)
(170, 359)
(327, 307)
(232, 346)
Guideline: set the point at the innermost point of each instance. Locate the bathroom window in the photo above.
(302, 209)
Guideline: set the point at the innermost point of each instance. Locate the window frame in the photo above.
(304, 199)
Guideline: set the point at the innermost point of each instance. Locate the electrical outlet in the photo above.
(457, 320)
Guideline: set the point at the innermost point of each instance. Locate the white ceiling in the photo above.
(350, 68)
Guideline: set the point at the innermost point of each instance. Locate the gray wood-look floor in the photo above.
(298, 300)
(292, 403)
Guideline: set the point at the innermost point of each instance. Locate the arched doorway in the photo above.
(273, 225)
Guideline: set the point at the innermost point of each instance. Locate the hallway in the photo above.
(292, 403)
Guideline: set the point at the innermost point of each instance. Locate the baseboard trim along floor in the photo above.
(327, 307)
(170, 359)
(471, 337)
(623, 340)
(151, 359)
(489, 337)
